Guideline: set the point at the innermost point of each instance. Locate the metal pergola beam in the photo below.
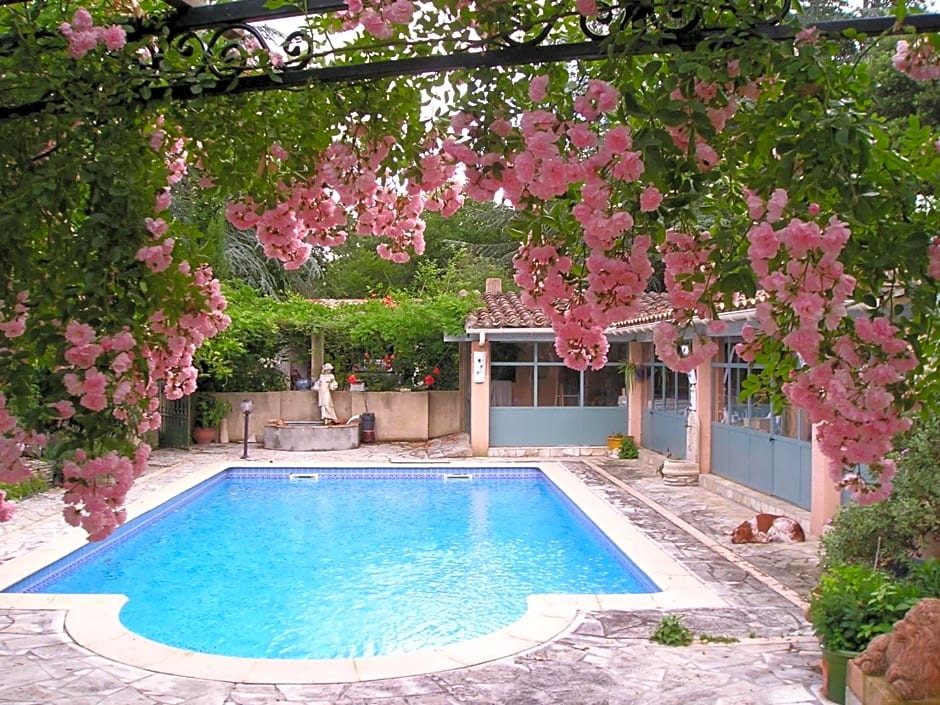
(205, 16)
(218, 17)
(510, 56)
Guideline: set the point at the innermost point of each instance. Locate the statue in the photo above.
(909, 655)
(325, 386)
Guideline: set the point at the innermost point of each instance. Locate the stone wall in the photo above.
(399, 416)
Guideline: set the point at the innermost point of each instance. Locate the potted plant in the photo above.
(614, 440)
(628, 449)
(850, 606)
(208, 413)
(628, 370)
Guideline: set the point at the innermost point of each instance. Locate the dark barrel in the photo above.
(367, 427)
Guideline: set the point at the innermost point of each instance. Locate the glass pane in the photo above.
(512, 352)
(737, 408)
(546, 352)
(720, 411)
(682, 393)
(619, 352)
(516, 391)
(559, 386)
(793, 424)
(759, 410)
(602, 388)
(669, 393)
(658, 401)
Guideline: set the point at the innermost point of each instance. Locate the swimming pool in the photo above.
(345, 563)
(93, 620)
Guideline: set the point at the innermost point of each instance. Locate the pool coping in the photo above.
(93, 622)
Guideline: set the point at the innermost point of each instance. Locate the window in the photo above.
(531, 374)
(756, 413)
(669, 390)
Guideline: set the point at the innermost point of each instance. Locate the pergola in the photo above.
(214, 34)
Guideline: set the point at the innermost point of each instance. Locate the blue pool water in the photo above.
(350, 564)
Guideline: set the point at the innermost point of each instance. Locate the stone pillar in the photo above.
(705, 406)
(480, 400)
(637, 395)
(824, 497)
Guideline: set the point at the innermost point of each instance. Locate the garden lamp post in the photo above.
(246, 406)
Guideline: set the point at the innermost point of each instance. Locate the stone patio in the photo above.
(603, 658)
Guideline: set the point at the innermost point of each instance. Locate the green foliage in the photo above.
(671, 632)
(894, 530)
(209, 410)
(266, 332)
(897, 96)
(717, 639)
(462, 252)
(628, 449)
(26, 488)
(852, 604)
(411, 330)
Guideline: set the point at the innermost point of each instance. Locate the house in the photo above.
(521, 395)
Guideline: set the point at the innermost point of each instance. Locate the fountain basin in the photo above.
(310, 435)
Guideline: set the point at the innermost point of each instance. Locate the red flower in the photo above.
(352, 379)
(429, 380)
(437, 371)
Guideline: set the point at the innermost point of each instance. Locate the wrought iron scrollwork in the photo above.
(226, 52)
(298, 47)
(674, 16)
(525, 30)
(609, 19)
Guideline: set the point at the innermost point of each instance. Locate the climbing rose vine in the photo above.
(738, 170)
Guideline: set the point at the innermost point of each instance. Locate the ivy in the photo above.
(266, 331)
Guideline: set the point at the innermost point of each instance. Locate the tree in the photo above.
(744, 162)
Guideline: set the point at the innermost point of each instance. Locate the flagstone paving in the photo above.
(603, 658)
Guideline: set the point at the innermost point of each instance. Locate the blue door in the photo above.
(665, 433)
(775, 465)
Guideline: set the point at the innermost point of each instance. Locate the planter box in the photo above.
(874, 690)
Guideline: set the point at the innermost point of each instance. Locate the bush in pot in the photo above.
(208, 413)
(850, 606)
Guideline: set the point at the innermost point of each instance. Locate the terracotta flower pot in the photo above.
(203, 436)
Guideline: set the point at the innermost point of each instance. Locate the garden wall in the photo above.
(399, 416)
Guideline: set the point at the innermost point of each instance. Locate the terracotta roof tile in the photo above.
(506, 310)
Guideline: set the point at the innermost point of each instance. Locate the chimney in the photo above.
(494, 285)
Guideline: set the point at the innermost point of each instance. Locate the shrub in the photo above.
(209, 410)
(893, 531)
(628, 448)
(853, 603)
